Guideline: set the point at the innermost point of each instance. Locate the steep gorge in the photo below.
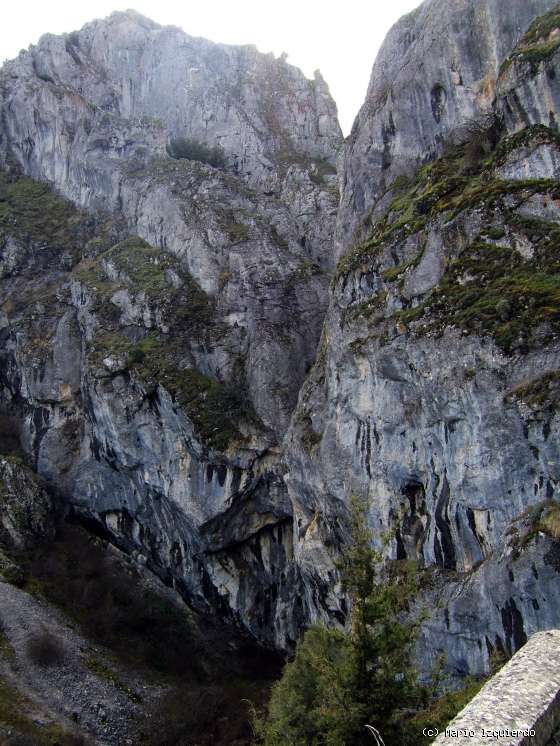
(179, 372)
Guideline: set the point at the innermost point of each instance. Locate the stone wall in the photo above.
(521, 700)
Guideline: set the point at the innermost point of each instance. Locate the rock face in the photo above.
(154, 344)
(434, 393)
(258, 109)
(436, 69)
(80, 111)
(158, 327)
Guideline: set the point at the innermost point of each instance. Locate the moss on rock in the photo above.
(488, 288)
(445, 188)
(541, 394)
(33, 211)
(538, 44)
(215, 408)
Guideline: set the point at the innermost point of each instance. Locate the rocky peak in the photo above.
(179, 299)
(436, 69)
(260, 110)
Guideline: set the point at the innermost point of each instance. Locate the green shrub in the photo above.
(537, 45)
(495, 233)
(440, 712)
(192, 150)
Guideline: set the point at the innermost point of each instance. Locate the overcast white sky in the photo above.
(340, 37)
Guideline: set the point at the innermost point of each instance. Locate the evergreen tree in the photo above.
(382, 633)
(340, 682)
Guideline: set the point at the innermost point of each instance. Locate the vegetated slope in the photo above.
(434, 394)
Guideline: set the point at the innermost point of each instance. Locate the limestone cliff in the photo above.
(163, 300)
(436, 69)
(155, 332)
(434, 393)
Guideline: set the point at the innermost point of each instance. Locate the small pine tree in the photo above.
(340, 682)
(381, 640)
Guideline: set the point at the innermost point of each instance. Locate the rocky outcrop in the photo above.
(483, 616)
(258, 109)
(101, 361)
(27, 515)
(434, 393)
(437, 69)
(156, 334)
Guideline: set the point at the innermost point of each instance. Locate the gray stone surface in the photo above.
(437, 68)
(523, 697)
(426, 423)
